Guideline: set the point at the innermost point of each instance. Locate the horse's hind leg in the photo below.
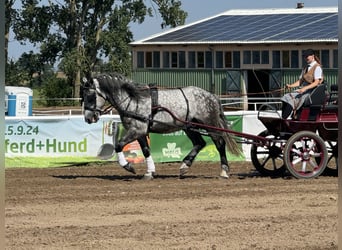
(221, 148)
(147, 154)
(198, 143)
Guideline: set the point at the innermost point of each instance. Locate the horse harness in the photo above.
(155, 107)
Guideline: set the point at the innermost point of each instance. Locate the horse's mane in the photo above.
(117, 81)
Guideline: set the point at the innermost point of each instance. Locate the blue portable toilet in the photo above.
(18, 101)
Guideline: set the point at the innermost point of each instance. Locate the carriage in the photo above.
(305, 146)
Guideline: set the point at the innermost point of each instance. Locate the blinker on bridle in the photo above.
(91, 87)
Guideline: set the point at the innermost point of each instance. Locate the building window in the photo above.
(247, 57)
(276, 59)
(256, 57)
(219, 59)
(148, 60)
(228, 59)
(140, 59)
(325, 58)
(335, 58)
(286, 59)
(192, 59)
(156, 59)
(208, 59)
(265, 57)
(200, 59)
(181, 55)
(236, 59)
(174, 60)
(294, 59)
(166, 59)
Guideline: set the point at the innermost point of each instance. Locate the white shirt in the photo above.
(318, 74)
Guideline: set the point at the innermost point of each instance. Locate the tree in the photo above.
(9, 16)
(80, 33)
(21, 72)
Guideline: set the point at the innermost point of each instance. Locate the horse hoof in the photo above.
(183, 169)
(224, 175)
(148, 176)
(129, 168)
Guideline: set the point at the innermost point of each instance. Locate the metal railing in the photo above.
(250, 103)
(228, 103)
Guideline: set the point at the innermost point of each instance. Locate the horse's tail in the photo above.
(231, 143)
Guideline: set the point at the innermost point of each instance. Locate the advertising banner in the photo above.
(63, 140)
(175, 146)
(52, 141)
(51, 137)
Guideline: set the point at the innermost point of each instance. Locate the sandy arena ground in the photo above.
(101, 206)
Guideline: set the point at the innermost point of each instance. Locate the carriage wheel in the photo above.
(305, 155)
(268, 160)
(332, 165)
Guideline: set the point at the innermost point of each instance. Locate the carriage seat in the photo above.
(332, 103)
(314, 103)
(333, 95)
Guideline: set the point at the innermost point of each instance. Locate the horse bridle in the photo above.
(92, 88)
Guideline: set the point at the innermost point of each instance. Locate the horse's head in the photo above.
(93, 99)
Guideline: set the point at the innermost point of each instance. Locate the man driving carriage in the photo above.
(310, 78)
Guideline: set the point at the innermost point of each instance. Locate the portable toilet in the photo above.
(18, 101)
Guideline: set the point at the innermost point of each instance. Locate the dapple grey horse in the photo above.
(146, 110)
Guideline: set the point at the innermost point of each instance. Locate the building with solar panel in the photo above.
(240, 51)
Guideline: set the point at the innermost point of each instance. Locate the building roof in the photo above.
(255, 26)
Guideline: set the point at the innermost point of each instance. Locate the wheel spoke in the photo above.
(313, 164)
(274, 164)
(296, 161)
(304, 166)
(296, 151)
(262, 152)
(303, 142)
(265, 161)
(317, 154)
(311, 145)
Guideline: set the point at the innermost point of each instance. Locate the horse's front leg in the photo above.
(127, 138)
(151, 168)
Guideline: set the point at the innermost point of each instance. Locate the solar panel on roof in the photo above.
(268, 27)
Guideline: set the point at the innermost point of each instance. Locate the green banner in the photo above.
(175, 146)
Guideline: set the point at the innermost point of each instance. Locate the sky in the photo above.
(197, 10)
